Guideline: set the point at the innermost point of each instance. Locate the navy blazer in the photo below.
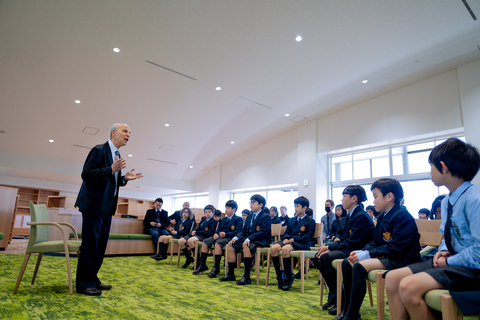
(301, 232)
(150, 216)
(396, 237)
(97, 197)
(262, 229)
(284, 221)
(176, 215)
(357, 233)
(275, 220)
(183, 228)
(230, 226)
(206, 228)
(338, 226)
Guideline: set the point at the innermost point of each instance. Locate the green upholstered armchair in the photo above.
(38, 242)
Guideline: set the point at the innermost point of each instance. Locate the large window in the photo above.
(275, 195)
(406, 163)
(196, 201)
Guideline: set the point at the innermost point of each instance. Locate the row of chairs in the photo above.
(38, 242)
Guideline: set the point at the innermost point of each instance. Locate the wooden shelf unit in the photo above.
(133, 207)
(22, 216)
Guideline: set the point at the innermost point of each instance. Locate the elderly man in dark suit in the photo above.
(97, 201)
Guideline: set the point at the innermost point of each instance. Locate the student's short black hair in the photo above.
(356, 190)
(209, 207)
(232, 204)
(331, 202)
(344, 211)
(302, 201)
(266, 210)
(246, 211)
(309, 212)
(218, 213)
(424, 210)
(387, 185)
(259, 199)
(462, 159)
(436, 204)
(159, 200)
(375, 212)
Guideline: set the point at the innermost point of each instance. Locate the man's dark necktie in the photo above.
(448, 226)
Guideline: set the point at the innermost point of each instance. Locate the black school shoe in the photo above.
(214, 272)
(244, 281)
(332, 297)
(227, 278)
(280, 280)
(287, 283)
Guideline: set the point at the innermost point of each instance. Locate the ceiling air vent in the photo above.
(90, 130)
(168, 69)
(161, 161)
(298, 119)
(255, 102)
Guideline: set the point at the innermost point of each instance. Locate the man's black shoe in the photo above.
(159, 257)
(244, 281)
(200, 269)
(104, 287)
(332, 297)
(90, 291)
(287, 283)
(340, 316)
(332, 311)
(188, 262)
(214, 272)
(227, 278)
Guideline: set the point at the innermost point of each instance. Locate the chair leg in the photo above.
(269, 257)
(39, 259)
(225, 259)
(320, 278)
(307, 266)
(449, 307)
(380, 295)
(22, 271)
(178, 255)
(301, 264)
(257, 264)
(369, 287)
(70, 285)
(195, 261)
(171, 252)
(339, 286)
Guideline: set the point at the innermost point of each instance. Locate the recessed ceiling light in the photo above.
(77, 101)
(130, 155)
(50, 140)
(364, 81)
(191, 167)
(218, 88)
(287, 114)
(298, 38)
(167, 125)
(232, 142)
(116, 50)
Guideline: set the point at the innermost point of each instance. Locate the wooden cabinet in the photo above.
(133, 207)
(8, 198)
(67, 202)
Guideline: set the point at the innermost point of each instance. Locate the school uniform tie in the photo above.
(448, 233)
(252, 226)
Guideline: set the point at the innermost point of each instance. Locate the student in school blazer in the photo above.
(358, 231)
(261, 231)
(233, 225)
(206, 229)
(301, 232)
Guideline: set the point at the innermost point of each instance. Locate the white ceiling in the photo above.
(54, 52)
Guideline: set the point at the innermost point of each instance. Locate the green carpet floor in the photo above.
(144, 289)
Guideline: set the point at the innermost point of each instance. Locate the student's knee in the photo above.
(275, 248)
(286, 250)
(409, 290)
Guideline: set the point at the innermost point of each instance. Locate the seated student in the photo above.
(205, 229)
(228, 228)
(436, 211)
(424, 214)
(177, 215)
(283, 216)
(245, 214)
(182, 228)
(298, 236)
(218, 215)
(453, 164)
(357, 233)
(338, 224)
(395, 245)
(308, 212)
(373, 213)
(274, 215)
(255, 233)
(155, 223)
(327, 219)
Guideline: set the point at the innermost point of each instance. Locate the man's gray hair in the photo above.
(114, 128)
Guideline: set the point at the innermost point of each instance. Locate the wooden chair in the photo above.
(199, 245)
(172, 242)
(442, 301)
(38, 242)
(276, 234)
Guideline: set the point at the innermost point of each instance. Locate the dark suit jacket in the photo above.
(150, 216)
(176, 215)
(302, 233)
(96, 197)
(338, 226)
(183, 229)
(230, 226)
(276, 220)
(284, 219)
(357, 233)
(262, 229)
(206, 228)
(396, 237)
